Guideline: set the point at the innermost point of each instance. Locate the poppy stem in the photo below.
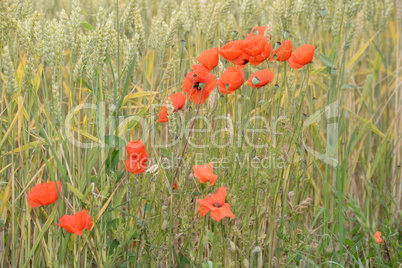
(187, 139)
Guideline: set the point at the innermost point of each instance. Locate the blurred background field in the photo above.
(79, 79)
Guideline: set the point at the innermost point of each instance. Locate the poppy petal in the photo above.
(231, 79)
(205, 173)
(220, 195)
(178, 100)
(284, 51)
(209, 58)
(222, 212)
(260, 78)
(301, 56)
(232, 50)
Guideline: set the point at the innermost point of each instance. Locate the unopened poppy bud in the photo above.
(277, 45)
(286, 34)
(182, 43)
(323, 12)
(164, 224)
(275, 57)
(234, 34)
(333, 71)
(304, 116)
(276, 87)
(255, 81)
(314, 100)
(201, 85)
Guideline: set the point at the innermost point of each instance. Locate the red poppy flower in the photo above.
(77, 222)
(284, 52)
(242, 60)
(205, 173)
(231, 79)
(301, 56)
(258, 30)
(178, 101)
(257, 45)
(44, 194)
(136, 162)
(232, 50)
(175, 186)
(136, 147)
(260, 78)
(198, 87)
(209, 58)
(377, 237)
(216, 205)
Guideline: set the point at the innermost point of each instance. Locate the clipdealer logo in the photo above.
(119, 125)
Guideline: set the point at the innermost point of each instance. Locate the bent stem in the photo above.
(187, 139)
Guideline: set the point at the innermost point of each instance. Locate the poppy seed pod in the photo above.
(260, 30)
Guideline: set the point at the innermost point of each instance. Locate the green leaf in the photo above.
(127, 82)
(87, 25)
(39, 237)
(349, 242)
(85, 84)
(114, 141)
(324, 59)
(75, 191)
(112, 160)
(350, 86)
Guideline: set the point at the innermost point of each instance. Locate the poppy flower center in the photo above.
(199, 86)
(217, 205)
(277, 45)
(255, 80)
